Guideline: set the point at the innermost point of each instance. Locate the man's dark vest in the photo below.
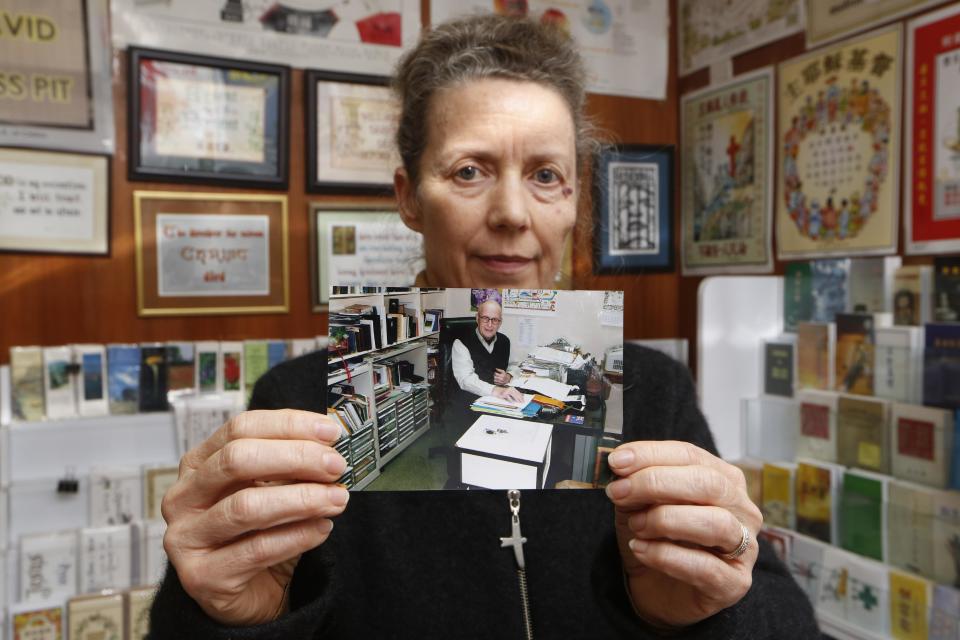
(483, 362)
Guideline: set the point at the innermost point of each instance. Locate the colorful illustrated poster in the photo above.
(931, 201)
(838, 149)
(829, 20)
(727, 184)
(722, 28)
(616, 37)
(358, 37)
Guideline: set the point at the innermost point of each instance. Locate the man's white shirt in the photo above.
(463, 369)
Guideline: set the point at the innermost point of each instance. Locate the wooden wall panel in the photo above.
(49, 300)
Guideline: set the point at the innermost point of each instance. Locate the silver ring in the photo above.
(744, 543)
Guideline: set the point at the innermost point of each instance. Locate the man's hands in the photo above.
(501, 377)
(249, 500)
(677, 508)
(508, 393)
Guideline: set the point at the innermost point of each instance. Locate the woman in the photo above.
(493, 141)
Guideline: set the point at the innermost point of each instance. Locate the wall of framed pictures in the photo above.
(56, 298)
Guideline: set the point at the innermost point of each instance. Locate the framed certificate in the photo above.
(353, 244)
(351, 124)
(54, 202)
(208, 120)
(210, 253)
(633, 209)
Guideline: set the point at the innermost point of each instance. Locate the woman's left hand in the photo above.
(678, 510)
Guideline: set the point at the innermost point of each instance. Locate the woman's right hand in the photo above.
(248, 501)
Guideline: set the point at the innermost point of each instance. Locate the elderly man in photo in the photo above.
(480, 359)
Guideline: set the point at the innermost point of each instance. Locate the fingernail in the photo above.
(618, 489)
(339, 496)
(638, 546)
(325, 526)
(327, 431)
(622, 458)
(334, 463)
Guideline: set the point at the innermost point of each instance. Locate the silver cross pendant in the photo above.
(515, 539)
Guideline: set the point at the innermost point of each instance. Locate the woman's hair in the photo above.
(487, 46)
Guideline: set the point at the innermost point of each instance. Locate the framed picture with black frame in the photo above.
(633, 205)
(208, 120)
(351, 124)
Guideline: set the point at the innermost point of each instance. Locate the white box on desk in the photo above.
(504, 453)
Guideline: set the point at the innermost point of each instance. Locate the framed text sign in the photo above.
(211, 253)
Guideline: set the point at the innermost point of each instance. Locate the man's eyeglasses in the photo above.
(489, 320)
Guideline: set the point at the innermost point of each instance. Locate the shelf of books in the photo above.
(90, 440)
(379, 344)
(851, 443)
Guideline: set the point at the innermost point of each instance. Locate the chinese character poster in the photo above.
(726, 167)
(838, 149)
(931, 200)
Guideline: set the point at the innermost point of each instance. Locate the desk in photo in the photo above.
(504, 453)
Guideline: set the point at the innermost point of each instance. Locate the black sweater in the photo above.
(429, 564)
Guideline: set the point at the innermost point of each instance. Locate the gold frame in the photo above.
(139, 196)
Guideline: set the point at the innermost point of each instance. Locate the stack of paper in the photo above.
(549, 388)
(502, 407)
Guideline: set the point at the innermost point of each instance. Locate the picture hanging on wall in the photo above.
(356, 244)
(838, 149)
(54, 202)
(208, 120)
(210, 253)
(351, 124)
(55, 62)
(727, 185)
(830, 20)
(931, 200)
(633, 200)
(715, 29)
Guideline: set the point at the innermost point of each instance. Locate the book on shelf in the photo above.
(48, 566)
(817, 491)
(779, 502)
(779, 366)
(26, 382)
(105, 558)
(855, 353)
(871, 284)
(753, 475)
(946, 538)
(208, 367)
(806, 564)
(797, 295)
(30, 621)
(912, 295)
(946, 288)
(137, 616)
(816, 355)
(116, 496)
(834, 592)
(231, 366)
(95, 617)
(868, 601)
(256, 362)
(123, 378)
(431, 320)
(780, 540)
(863, 435)
(277, 352)
(153, 377)
(302, 346)
(829, 288)
(898, 364)
(910, 599)
(181, 367)
(92, 388)
(910, 512)
(941, 365)
(922, 441)
(945, 613)
(863, 502)
(59, 383)
(818, 425)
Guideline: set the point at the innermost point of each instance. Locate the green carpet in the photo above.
(413, 469)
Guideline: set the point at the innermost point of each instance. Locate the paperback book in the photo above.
(945, 614)
(818, 425)
(910, 599)
(116, 496)
(256, 362)
(123, 377)
(941, 366)
(95, 617)
(834, 588)
(868, 601)
(779, 367)
(946, 288)
(806, 565)
(92, 389)
(276, 352)
(817, 486)
(153, 378)
(753, 474)
(863, 435)
(898, 364)
(912, 295)
(138, 603)
(864, 525)
(922, 444)
(829, 288)
(208, 367)
(181, 367)
(816, 347)
(946, 539)
(29, 621)
(59, 391)
(779, 504)
(231, 366)
(105, 554)
(26, 377)
(910, 513)
(871, 284)
(797, 295)
(855, 353)
(48, 566)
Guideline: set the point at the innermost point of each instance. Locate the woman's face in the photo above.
(498, 188)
